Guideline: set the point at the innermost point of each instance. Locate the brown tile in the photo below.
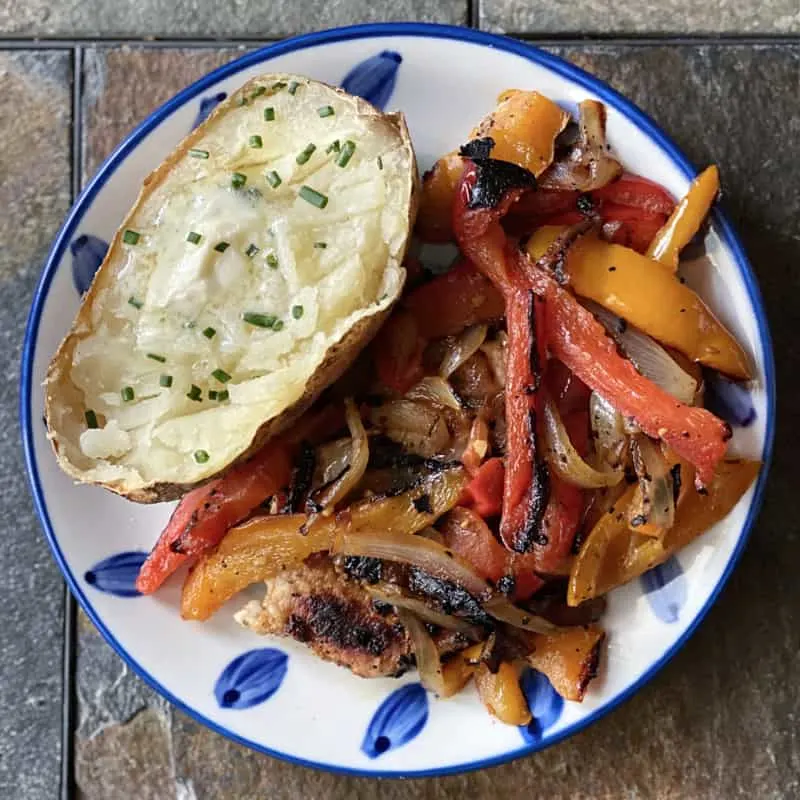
(122, 85)
(35, 117)
(635, 16)
(197, 19)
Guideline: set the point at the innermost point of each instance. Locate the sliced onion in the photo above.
(648, 356)
(329, 495)
(425, 554)
(588, 165)
(565, 460)
(495, 352)
(435, 390)
(332, 459)
(502, 609)
(463, 348)
(419, 427)
(429, 664)
(394, 597)
(653, 505)
(608, 429)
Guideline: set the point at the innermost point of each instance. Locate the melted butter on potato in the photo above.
(274, 232)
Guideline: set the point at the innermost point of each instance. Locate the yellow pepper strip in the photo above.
(685, 220)
(613, 555)
(649, 297)
(502, 695)
(524, 127)
(457, 672)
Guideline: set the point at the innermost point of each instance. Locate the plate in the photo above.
(272, 694)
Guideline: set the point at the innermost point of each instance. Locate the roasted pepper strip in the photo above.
(265, 546)
(613, 555)
(649, 297)
(686, 219)
(203, 517)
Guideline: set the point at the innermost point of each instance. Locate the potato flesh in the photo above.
(185, 288)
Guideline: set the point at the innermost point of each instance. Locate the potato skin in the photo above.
(337, 359)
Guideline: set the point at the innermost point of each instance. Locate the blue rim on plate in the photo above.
(526, 51)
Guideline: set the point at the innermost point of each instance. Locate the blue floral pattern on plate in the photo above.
(88, 253)
(251, 678)
(544, 702)
(117, 574)
(399, 718)
(729, 400)
(374, 79)
(207, 105)
(666, 589)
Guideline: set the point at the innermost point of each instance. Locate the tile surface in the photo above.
(641, 17)
(720, 721)
(201, 19)
(35, 115)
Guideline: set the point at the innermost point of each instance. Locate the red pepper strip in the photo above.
(577, 339)
(451, 302)
(204, 515)
(398, 352)
(484, 493)
(527, 483)
(636, 192)
(483, 241)
(469, 537)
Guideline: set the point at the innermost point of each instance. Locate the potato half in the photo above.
(258, 260)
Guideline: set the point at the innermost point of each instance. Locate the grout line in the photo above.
(473, 20)
(68, 703)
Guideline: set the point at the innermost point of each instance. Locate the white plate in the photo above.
(280, 699)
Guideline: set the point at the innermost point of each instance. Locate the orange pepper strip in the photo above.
(651, 298)
(685, 220)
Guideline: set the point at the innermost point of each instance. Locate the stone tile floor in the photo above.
(721, 720)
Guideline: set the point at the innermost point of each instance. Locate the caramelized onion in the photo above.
(419, 427)
(395, 597)
(464, 346)
(653, 507)
(608, 430)
(565, 460)
(436, 390)
(501, 608)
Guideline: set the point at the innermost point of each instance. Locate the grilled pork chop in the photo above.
(338, 620)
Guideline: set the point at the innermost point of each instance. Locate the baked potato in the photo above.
(257, 261)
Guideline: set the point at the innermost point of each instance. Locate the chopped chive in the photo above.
(251, 250)
(297, 311)
(333, 147)
(221, 247)
(276, 87)
(212, 394)
(272, 261)
(277, 325)
(256, 141)
(306, 154)
(259, 320)
(257, 92)
(195, 393)
(326, 111)
(380, 163)
(165, 381)
(348, 148)
(157, 357)
(209, 333)
(221, 375)
(200, 456)
(269, 114)
(193, 237)
(135, 302)
(313, 196)
(320, 245)
(238, 180)
(273, 179)
(223, 395)
(194, 153)
(127, 393)
(91, 418)
(293, 87)
(130, 237)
